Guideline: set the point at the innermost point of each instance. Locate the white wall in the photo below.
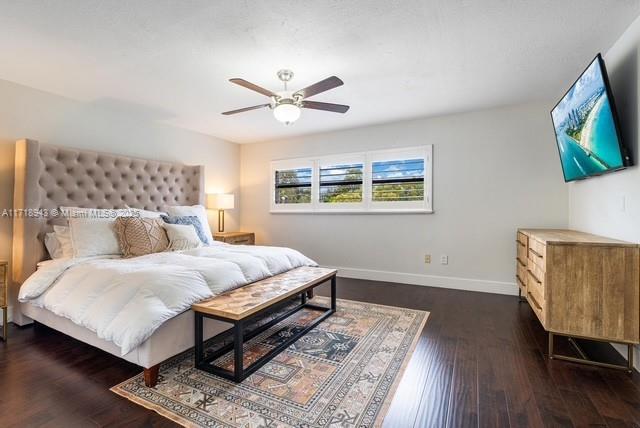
(494, 171)
(610, 205)
(110, 127)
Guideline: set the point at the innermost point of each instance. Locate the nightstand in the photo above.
(238, 238)
(4, 299)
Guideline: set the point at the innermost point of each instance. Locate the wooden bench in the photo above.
(246, 304)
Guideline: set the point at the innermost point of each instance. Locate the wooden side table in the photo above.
(237, 238)
(4, 299)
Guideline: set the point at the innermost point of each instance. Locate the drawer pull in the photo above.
(533, 300)
(534, 277)
(535, 253)
(520, 243)
(523, 264)
(520, 280)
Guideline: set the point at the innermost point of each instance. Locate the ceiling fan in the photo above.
(287, 105)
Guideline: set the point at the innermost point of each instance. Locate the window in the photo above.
(396, 180)
(341, 183)
(293, 186)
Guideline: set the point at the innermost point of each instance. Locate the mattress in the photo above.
(173, 337)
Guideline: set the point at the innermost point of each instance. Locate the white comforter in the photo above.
(125, 300)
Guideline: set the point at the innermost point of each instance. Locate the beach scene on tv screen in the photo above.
(585, 127)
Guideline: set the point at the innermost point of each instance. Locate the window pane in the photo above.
(398, 180)
(293, 186)
(341, 183)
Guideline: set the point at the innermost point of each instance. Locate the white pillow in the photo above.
(63, 236)
(58, 242)
(182, 237)
(52, 245)
(93, 236)
(195, 210)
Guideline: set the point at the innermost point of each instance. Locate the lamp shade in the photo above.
(221, 201)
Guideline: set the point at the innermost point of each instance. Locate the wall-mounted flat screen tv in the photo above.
(586, 125)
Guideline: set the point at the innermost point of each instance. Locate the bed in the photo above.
(48, 177)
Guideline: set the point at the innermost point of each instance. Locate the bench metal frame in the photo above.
(240, 336)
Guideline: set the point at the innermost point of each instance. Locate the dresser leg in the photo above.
(584, 358)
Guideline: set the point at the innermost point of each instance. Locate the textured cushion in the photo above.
(194, 210)
(93, 237)
(188, 219)
(182, 237)
(140, 236)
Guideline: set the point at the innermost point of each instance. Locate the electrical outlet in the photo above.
(427, 258)
(444, 259)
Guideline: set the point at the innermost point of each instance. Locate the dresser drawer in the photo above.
(521, 247)
(236, 238)
(536, 306)
(522, 238)
(535, 285)
(537, 252)
(521, 274)
(246, 240)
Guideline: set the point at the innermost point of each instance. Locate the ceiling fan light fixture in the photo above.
(287, 105)
(286, 113)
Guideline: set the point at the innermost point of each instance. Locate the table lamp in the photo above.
(221, 202)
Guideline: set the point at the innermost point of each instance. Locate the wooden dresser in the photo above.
(581, 285)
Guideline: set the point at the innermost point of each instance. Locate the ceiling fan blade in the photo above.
(240, 110)
(253, 87)
(321, 86)
(316, 105)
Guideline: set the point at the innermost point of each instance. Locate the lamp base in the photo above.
(220, 221)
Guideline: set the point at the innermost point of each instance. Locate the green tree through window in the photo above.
(293, 186)
(341, 183)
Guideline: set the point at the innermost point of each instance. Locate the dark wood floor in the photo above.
(479, 362)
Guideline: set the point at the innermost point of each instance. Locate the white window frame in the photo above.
(425, 153)
(339, 160)
(367, 206)
(292, 164)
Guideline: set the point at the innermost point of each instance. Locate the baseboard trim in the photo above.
(467, 284)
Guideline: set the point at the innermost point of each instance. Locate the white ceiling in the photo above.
(170, 59)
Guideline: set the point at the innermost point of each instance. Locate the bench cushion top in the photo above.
(245, 301)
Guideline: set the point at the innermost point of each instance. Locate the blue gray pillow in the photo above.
(185, 220)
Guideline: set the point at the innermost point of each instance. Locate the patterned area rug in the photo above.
(343, 373)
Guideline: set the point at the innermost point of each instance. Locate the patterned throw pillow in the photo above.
(188, 219)
(140, 236)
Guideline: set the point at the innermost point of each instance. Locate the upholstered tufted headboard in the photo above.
(48, 177)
